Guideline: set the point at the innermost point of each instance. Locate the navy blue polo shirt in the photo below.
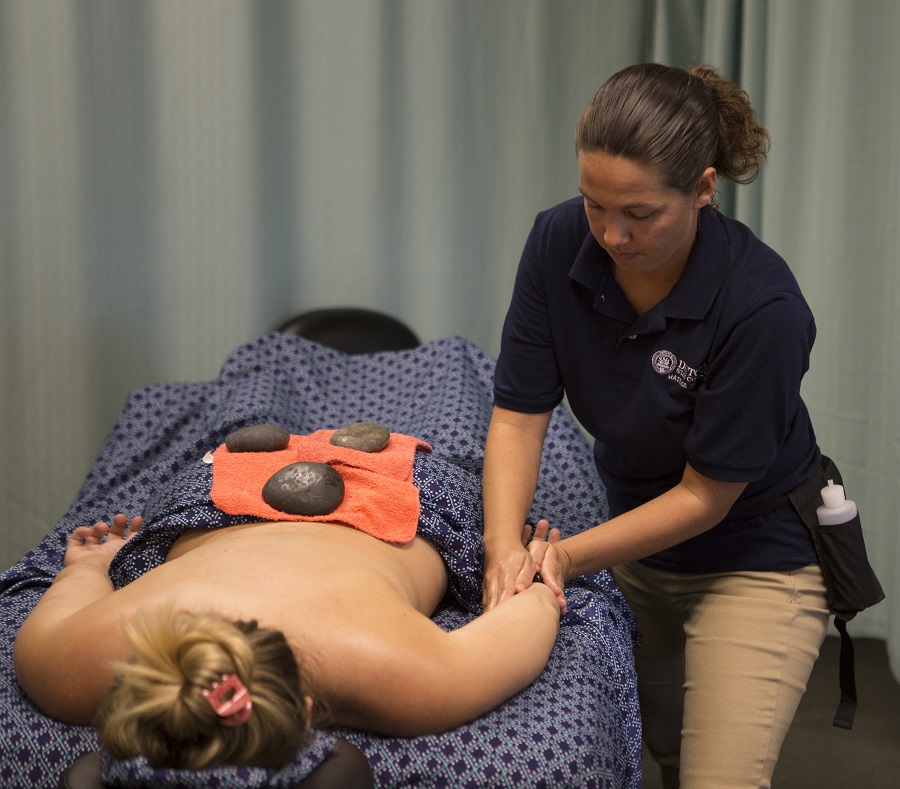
(709, 376)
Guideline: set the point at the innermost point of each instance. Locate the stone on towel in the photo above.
(258, 438)
(304, 489)
(364, 436)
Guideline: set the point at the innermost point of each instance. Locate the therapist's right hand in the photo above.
(508, 570)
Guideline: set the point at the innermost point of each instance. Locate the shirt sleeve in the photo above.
(749, 411)
(527, 377)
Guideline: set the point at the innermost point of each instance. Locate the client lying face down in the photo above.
(157, 611)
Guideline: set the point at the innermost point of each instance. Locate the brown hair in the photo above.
(678, 122)
(157, 709)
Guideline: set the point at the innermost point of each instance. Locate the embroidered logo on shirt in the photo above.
(668, 364)
(664, 362)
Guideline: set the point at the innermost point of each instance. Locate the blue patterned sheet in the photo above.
(577, 725)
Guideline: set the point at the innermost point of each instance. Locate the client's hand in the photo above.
(98, 544)
(550, 559)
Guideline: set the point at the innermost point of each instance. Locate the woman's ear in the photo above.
(706, 188)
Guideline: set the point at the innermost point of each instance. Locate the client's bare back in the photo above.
(284, 567)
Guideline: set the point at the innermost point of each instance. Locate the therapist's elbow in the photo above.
(712, 500)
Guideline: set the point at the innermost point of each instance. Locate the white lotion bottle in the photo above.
(836, 509)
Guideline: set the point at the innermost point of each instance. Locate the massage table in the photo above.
(577, 725)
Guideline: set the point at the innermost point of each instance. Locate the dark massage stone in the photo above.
(364, 436)
(304, 489)
(258, 438)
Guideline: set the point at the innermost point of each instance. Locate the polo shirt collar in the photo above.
(693, 294)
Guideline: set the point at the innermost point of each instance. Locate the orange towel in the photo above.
(379, 497)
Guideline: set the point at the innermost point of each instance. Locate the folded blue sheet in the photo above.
(138, 774)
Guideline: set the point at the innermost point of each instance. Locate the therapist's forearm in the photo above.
(667, 520)
(512, 461)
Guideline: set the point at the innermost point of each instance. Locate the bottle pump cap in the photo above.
(835, 509)
(833, 495)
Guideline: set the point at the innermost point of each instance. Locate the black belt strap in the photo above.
(846, 710)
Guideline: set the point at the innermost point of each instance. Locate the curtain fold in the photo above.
(178, 177)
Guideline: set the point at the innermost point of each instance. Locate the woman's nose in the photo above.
(616, 232)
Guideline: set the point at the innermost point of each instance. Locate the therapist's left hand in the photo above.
(550, 559)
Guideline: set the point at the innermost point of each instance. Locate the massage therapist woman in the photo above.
(680, 340)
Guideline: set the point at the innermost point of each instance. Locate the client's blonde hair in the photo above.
(157, 708)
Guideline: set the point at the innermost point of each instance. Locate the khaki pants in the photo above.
(724, 662)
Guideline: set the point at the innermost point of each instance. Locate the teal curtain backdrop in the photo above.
(177, 177)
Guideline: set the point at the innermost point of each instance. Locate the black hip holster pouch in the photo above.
(850, 582)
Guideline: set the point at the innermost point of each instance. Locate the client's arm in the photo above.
(55, 653)
(427, 681)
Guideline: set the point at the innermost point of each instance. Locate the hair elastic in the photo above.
(234, 709)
